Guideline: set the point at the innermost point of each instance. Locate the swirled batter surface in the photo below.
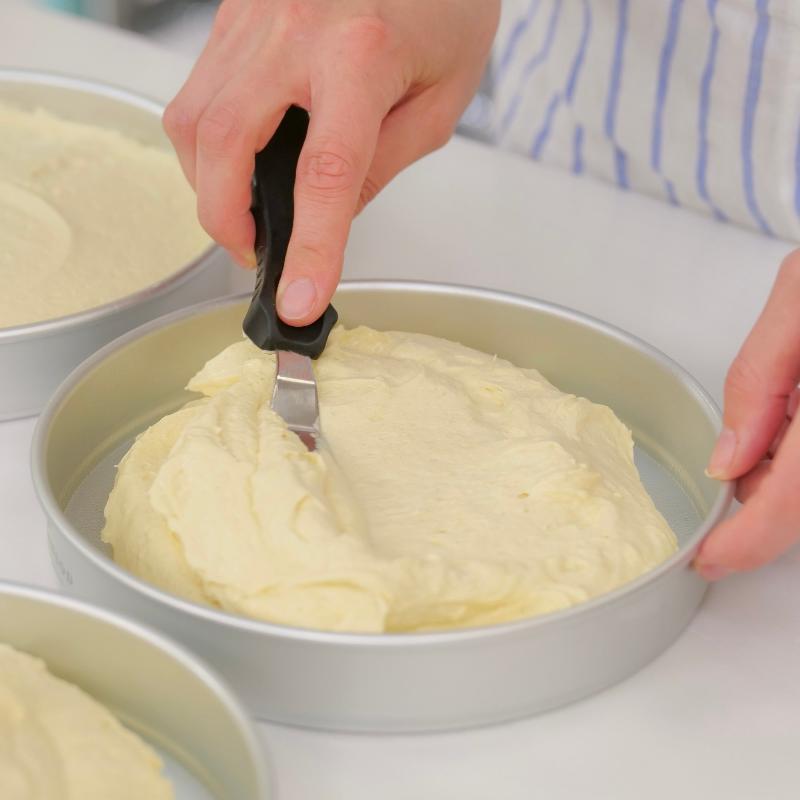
(87, 216)
(58, 743)
(458, 490)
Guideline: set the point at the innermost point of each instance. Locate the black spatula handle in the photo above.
(273, 212)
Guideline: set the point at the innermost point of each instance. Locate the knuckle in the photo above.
(218, 128)
(366, 37)
(178, 122)
(770, 530)
(223, 20)
(753, 551)
(744, 377)
(749, 558)
(212, 218)
(440, 134)
(369, 190)
(312, 252)
(790, 267)
(228, 13)
(737, 552)
(793, 405)
(294, 21)
(441, 125)
(329, 170)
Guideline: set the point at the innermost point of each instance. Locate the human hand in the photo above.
(384, 81)
(760, 443)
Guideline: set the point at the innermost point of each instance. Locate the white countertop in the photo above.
(718, 715)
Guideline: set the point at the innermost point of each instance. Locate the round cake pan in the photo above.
(35, 358)
(154, 687)
(396, 682)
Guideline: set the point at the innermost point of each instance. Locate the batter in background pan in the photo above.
(74, 200)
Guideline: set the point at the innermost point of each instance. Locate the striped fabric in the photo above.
(696, 102)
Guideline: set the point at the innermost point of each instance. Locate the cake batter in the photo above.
(57, 743)
(87, 216)
(464, 491)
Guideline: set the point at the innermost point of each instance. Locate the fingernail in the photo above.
(713, 572)
(722, 456)
(245, 260)
(297, 299)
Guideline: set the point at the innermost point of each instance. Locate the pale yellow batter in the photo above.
(464, 491)
(57, 743)
(87, 216)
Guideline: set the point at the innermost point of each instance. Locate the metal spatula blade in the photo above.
(295, 393)
(295, 396)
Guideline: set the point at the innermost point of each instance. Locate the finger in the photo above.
(766, 525)
(791, 410)
(749, 485)
(761, 379)
(410, 131)
(341, 139)
(224, 56)
(779, 436)
(237, 124)
(793, 404)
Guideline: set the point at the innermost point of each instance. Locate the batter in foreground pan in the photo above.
(58, 743)
(464, 491)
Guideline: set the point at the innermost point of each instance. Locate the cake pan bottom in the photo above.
(397, 682)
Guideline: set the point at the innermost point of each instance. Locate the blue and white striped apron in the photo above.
(693, 101)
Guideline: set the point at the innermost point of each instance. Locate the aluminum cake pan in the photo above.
(154, 687)
(35, 358)
(396, 682)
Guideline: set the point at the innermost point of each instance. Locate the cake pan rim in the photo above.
(196, 611)
(57, 325)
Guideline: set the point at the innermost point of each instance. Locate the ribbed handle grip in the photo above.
(273, 212)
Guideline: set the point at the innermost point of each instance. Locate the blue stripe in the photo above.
(662, 87)
(705, 109)
(667, 51)
(621, 167)
(577, 150)
(535, 61)
(544, 131)
(580, 56)
(750, 105)
(517, 32)
(613, 93)
(569, 89)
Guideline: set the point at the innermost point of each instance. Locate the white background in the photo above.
(718, 715)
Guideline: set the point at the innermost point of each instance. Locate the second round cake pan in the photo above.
(396, 682)
(160, 691)
(35, 358)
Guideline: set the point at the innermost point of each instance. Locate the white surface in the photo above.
(186, 30)
(717, 716)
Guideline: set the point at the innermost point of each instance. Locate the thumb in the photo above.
(761, 379)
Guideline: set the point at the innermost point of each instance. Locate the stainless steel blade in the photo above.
(295, 396)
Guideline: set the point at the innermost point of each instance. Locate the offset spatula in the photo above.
(295, 393)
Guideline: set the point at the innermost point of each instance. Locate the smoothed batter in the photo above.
(57, 743)
(464, 491)
(87, 216)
